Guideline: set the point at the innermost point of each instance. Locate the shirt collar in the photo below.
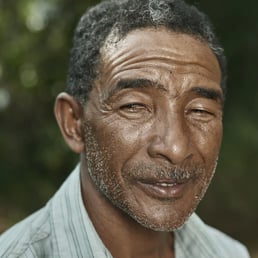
(69, 215)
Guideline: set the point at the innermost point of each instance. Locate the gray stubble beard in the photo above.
(97, 159)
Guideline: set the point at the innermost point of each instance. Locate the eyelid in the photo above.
(204, 104)
(126, 93)
(199, 112)
(203, 110)
(130, 96)
(133, 104)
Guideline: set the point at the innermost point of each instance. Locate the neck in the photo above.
(122, 235)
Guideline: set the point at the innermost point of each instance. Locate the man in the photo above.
(143, 108)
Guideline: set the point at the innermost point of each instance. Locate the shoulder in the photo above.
(205, 241)
(27, 238)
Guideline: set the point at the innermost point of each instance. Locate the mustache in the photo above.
(149, 173)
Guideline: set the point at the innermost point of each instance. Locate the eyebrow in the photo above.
(136, 84)
(146, 83)
(209, 93)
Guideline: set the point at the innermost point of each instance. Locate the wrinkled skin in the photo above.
(152, 128)
(148, 138)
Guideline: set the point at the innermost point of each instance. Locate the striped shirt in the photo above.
(63, 229)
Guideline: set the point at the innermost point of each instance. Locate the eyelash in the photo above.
(132, 106)
(201, 111)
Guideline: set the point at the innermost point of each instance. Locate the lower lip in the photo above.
(164, 192)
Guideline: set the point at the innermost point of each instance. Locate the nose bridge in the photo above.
(172, 137)
(174, 134)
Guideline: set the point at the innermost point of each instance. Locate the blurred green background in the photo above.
(35, 38)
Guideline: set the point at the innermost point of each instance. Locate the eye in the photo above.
(200, 114)
(133, 107)
(135, 111)
(200, 111)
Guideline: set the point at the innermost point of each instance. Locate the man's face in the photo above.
(153, 126)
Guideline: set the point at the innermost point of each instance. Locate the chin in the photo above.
(162, 222)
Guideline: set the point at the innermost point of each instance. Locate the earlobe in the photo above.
(68, 114)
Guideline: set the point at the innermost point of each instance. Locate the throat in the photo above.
(133, 240)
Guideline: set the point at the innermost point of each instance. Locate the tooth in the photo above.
(165, 184)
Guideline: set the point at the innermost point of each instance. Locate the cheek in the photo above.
(208, 141)
(122, 140)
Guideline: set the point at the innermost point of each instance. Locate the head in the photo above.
(119, 18)
(144, 107)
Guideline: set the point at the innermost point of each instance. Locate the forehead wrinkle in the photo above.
(136, 59)
(133, 44)
(128, 56)
(141, 54)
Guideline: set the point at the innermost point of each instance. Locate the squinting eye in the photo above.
(135, 111)
(133, 107)
(201, 115)
(201, 111)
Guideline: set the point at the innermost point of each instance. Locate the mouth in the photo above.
(164, 189)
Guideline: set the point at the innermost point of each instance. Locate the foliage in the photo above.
(35, 37)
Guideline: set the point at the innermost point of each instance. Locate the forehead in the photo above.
(158, 48)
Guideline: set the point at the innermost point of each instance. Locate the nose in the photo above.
(171, 140)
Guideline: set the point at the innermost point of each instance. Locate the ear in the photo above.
(68, 114)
